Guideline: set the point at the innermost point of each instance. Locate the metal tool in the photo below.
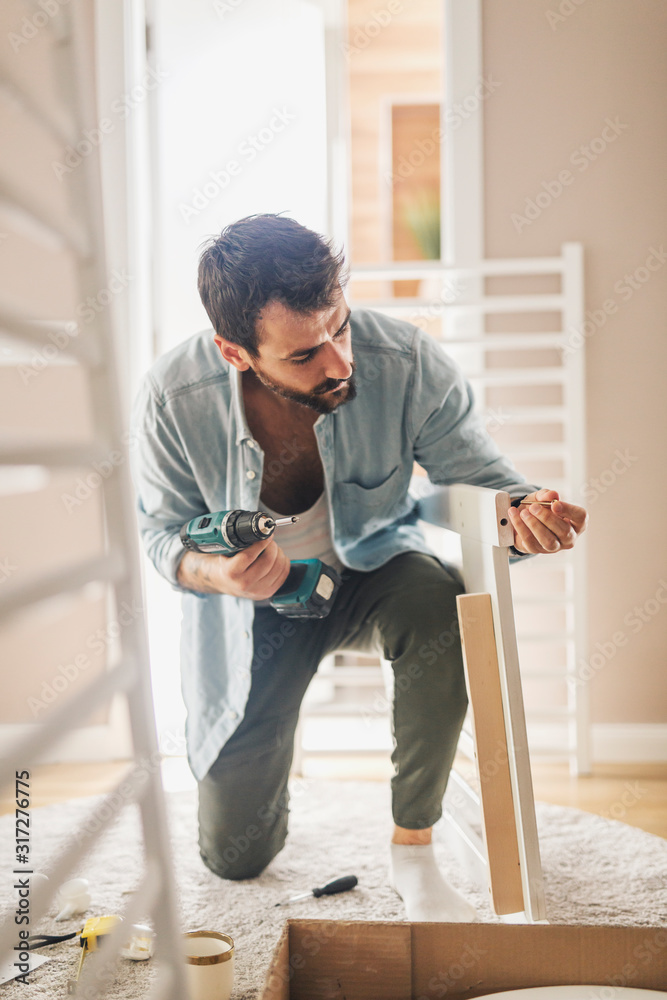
(330, 889)
(311, 586)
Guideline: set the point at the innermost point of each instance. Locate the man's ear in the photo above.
(233, 353)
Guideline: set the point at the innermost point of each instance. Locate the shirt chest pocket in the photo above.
(363, 509)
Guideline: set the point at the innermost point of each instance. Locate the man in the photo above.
(295, 405)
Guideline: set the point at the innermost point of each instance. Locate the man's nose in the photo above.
(338, 362)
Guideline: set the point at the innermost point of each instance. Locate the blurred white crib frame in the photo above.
(463, 309)
(70, 37)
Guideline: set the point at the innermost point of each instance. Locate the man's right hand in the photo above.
(256, 572)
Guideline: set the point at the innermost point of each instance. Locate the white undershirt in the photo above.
(310, 537)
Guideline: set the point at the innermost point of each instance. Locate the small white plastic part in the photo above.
(140, 945)
(73, 897)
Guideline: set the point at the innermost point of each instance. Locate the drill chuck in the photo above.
(242, 528)
(228, 531)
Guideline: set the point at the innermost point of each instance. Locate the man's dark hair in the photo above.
(261, 259)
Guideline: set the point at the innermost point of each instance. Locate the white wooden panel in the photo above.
(470, 511)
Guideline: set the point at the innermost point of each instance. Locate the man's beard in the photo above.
(320, 399)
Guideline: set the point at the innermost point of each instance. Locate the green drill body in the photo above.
(311, 586)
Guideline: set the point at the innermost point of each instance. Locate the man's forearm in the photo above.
(199, 571)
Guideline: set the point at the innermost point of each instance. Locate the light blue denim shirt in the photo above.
(195, 453)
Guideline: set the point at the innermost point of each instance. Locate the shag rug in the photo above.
(597, 871)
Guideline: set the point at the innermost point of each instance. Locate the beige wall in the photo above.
(53, 649)
(558, 85)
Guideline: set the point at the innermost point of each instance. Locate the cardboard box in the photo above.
(386, 960)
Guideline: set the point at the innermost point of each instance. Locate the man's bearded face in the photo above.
(307, 358)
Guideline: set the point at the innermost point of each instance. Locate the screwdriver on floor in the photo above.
(330, 889)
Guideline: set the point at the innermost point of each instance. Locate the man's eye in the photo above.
(337, 336)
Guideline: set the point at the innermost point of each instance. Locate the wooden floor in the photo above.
(632, 793)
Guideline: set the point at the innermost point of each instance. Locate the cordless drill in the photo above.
(311, 586)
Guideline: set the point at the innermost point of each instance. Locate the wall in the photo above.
(562, 80)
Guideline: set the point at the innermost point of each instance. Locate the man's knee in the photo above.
(244, 854)
(234, 866)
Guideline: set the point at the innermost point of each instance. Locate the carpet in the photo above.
(596, 871)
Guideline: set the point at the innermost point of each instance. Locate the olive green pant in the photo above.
(406, 611)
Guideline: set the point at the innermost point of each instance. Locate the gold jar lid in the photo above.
(223, 956)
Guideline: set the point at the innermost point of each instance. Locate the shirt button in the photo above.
(250, 474)
(252, 444)
(233, 715)
(246, 635)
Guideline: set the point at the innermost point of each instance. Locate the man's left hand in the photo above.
(546, 529)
